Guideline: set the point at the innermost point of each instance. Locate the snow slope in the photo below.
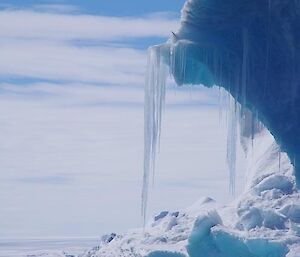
(264, 221)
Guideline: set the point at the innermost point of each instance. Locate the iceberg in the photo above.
(251, 49)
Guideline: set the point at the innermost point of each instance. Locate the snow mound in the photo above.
(264, 221)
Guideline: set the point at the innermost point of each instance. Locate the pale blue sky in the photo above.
(108, 7)
(71, 119)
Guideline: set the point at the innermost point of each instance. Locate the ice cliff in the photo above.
(251, 49)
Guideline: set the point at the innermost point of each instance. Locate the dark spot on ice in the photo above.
(161, 215)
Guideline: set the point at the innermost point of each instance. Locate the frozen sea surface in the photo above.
(45, 247)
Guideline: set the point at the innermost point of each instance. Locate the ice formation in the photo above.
(154, 101)
(231, 143)
(251, 48)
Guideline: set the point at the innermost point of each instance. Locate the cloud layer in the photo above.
(65, 62)
(55, 26)
(73, 47)
(71, 114)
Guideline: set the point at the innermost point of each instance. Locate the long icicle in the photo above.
(155, 87)
(231, 143)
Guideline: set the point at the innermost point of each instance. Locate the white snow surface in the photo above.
(263, 221)
(45, 247)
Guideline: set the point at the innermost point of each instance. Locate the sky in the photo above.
(71, 120)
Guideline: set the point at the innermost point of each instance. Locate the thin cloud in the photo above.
(65, 62)
(56, 8)
(54, 26)
(87, 95)
(44, 45)
(49, 180)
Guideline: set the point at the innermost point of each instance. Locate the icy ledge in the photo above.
(263, 222)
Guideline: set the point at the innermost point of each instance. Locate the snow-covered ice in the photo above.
(263, 221)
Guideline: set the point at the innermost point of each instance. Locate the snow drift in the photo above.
(263, 222)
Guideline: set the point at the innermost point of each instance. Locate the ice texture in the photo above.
(251, 48)
(231, 143)
(165, 254)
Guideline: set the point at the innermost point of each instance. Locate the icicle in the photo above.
(231, 144)
(244, 68)
(154, 102)
(252, 131)
(220, 106)
(178, 61)
(227, 104)
(294, 164)
(267, 49)
(279, 159)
